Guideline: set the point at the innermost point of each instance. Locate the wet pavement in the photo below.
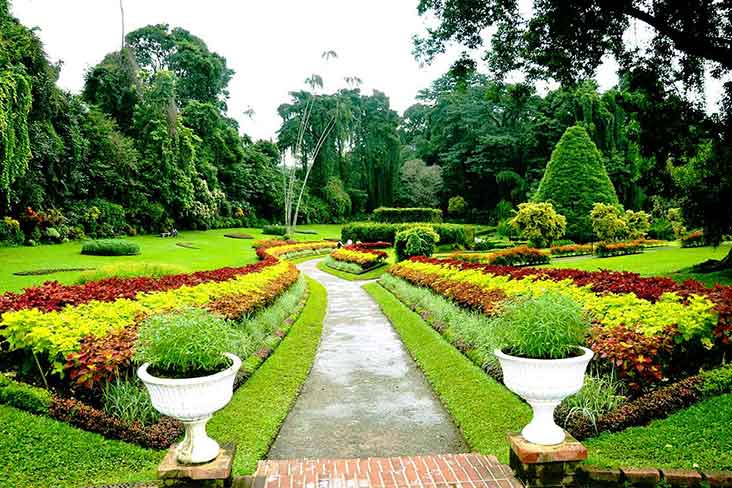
(365, 396)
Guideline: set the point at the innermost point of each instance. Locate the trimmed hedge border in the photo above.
(375, 231)
(86, 417)
(390, 215)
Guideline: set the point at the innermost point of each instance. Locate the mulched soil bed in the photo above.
(238, 236)
(40, 272)
(187, 245)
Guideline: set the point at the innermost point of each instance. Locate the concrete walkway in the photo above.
(365, 397)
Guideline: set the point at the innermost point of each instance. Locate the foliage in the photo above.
(25, 397)
(407, 215)
(365, 258)
(185, 343)
(457, 206)
(608, 223)
(572, 250)
(638, 223)
(716, 381)
(110, 247)
(346, 271)
(275, 230)
(10, 233)
(420, 185)
(337, 199)
(15, 105)
(102, 359)
(539, 223)
(518, 256)
(469, 400)
(676, 219)
(550, 326)
(345, 266)
(694, 239)
(599, 395)
(415, 241)
(129, 401)
(373, 231)
(575, 179)
(608, 249)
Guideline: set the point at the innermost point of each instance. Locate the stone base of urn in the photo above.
(546, 466)
(217, 472)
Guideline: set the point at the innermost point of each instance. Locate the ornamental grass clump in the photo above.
(550, 326)
(186, 343)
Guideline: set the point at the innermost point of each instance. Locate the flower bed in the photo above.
(608, 249)
(693, 239)
(515, 256)
(363, 256)
(649, 329)
(571, 250)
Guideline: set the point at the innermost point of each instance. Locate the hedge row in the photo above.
(373, 231)
(406, 215)
(608, 249)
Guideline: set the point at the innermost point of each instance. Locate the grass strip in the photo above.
(698, 438)
(368, 275)
(255, 414)
(484, 410)
(43, 452)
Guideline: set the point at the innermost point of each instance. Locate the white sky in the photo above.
(273, 45)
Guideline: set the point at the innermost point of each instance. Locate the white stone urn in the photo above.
(544, 383)
(193, 401)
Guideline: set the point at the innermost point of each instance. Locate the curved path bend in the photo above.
(365, 396)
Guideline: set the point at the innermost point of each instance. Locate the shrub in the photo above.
(638, 223)
(129, 401)
(337, 199)
(374, 231)
(676, 219)
(508, 231)
(25, 397)
(129, 270)
(456, 206)
(608, 222)
(489, 244)
(185, 343)
(608, 249)
(572, 250)
(275, 230)
(102, 358)
(717, 381)
(693, 239)
(661, 229)
(52, 235)
(550, 326)
(10, 233)
(110, 247)
(574, 180)
(407, 215)
(539, 223)
(415, 241)
(346, 266)
(599, 395)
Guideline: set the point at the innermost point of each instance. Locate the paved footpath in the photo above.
(365, 397)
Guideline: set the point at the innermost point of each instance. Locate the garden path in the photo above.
(365, 396)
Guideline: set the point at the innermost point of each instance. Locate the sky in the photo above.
(272, 45)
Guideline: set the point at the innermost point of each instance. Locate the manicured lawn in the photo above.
(697, 438)
(214, 251)
(673, 262)
(255, 414)
(484, 410)
(42, 452)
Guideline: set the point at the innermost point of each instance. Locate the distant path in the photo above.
(365, 396)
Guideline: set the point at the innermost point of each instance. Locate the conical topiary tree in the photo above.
(574, 180)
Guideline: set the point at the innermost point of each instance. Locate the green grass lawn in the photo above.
(42, 452)
(699, 437)
(673, 262)
(215, 251)
(484, 410)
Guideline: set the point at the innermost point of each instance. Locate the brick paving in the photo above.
(433, 471)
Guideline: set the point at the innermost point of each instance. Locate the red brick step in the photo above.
(438, 471)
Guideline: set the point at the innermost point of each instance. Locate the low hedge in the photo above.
(407, 215)
(694, 239)
(274, 230)
(25, 397)
(608, 249)
(110, 247)
(519, 256)
(374, 231)
(572, 250)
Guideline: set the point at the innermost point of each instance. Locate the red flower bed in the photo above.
(370, 245)
(54, 296)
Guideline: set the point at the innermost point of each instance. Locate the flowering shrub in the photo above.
(643, 326)
(515, 256)
(607, 249)
(359, 254)
(693, 239)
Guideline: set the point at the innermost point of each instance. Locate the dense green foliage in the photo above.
(539, 223)
(110, 247)
(406, 215)
(575, 179)
(419, 240)
(25, 397)
(375, 231)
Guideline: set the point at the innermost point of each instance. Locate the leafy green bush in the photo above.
(25, 397)
(129, 270)
(638, 223)
(661, 229)
(456, 206)
(676, 219)
(717, 381)
(10, 233)
(550, 326)
(338, 199)
(275, 230)
(186, 343)
(574, 180)
(110, 247)
(608, 223)
(693, 239)
(129, 401)
(407, 215)
(373, 232)
(415, 241)
(539, 223)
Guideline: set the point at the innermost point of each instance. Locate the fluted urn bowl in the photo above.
(544, 383)
(193, 401)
